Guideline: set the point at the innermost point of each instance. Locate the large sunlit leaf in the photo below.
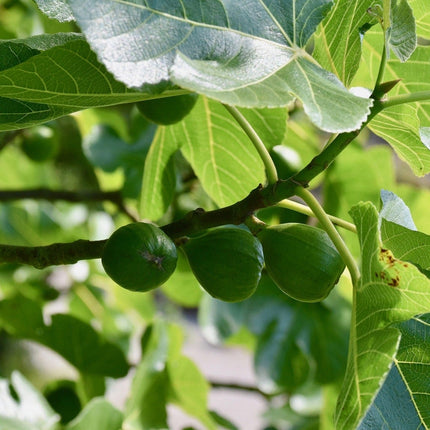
(26, 409)
(340, 51)
(407, 245)
(56, 9)
(413, 75)
(270, 124)
(221, 154)
(70, 337)
(422, 16)
(48, 76)
(248, 54)
(219, 151)
(403, 400)
(159, 177)
(400, 125)
(390, 291)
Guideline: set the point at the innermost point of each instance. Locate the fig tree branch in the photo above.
(240, 387)
(51, 255)
(197, 220)
(114, 197)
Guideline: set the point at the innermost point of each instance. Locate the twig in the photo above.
(69, 196)
(240, 387)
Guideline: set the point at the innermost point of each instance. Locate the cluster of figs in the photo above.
(228, 261)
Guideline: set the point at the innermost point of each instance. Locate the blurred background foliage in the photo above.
(102, 332)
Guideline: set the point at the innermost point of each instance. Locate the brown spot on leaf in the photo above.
(387, 257)
(394, 282)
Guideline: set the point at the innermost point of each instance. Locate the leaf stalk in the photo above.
(334, 235)
(306, 210)
(419, 96)
(271, 173)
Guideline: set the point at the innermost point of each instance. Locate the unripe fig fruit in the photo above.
(40, 143)
(301, 260)
(227, 262)
(167, 110)
(139, 257)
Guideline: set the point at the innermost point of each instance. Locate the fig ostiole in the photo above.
(301, 260)
(139, 257)
(227, 262)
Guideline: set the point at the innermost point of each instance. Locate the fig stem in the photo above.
(334, 235)
(305, 210)
(255, 225)
(269, 165)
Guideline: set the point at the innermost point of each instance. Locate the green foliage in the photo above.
(27, 409)
(73, 339)
(244, 104)
(391, 291)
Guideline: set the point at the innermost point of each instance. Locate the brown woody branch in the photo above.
(67, 253)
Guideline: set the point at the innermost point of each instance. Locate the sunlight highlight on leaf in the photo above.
(159, 180)
(247, 54)
(338, 39)
(220, 153)
(400, 125)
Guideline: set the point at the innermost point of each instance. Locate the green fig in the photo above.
(40, 143)
(139, 257)
(227, 262)
(302, 260)
(167, 110)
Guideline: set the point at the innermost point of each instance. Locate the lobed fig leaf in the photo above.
(227, 262)
(167, 110)
(302, 260)
(139, 257)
